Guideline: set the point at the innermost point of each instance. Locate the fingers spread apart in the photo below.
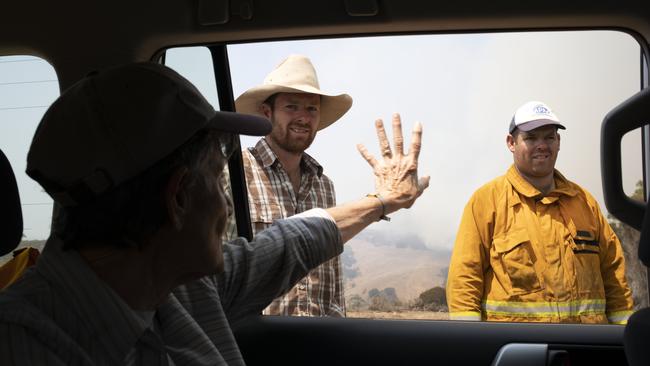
(398, 138)
(416, 141)
(384, 145)
(366, 155)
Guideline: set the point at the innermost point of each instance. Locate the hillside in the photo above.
(379, 260)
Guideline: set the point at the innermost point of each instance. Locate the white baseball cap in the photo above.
(114, 124)
(532, 115)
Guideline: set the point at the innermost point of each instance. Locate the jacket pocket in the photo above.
(584, 244)
(586, 263)
(517, 259)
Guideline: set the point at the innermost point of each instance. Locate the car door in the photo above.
(78, 38)
(405, 340)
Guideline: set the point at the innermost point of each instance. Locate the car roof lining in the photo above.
(140, 30)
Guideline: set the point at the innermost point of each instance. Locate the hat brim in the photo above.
(239, 123)
(531, 125)
(332, 107)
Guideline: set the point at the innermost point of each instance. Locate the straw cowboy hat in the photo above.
(295, 74)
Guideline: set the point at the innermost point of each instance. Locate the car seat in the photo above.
(11, 227)
(11, 217)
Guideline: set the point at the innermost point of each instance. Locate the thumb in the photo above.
(423, 183)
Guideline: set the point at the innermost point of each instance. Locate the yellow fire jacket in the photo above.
(523, 257)
(14, 268)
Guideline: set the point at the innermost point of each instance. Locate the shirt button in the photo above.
(301, 287)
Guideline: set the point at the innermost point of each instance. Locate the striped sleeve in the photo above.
(619, 317)
(257, 272)
(19, 347)
(465, 283)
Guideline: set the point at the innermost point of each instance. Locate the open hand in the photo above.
(396, 174)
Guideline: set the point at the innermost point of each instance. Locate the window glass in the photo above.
(632, 168)
(464, 89)
(195, 64)
(28, 85)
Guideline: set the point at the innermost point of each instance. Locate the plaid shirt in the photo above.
(271, 197)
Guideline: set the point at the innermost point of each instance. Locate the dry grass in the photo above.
(405, 314)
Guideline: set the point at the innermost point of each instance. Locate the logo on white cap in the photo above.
(541, 109)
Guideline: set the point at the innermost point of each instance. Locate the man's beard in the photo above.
(292, 145)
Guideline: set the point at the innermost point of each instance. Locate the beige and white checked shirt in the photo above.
(271, 197)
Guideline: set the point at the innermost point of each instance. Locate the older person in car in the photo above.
(135, 271)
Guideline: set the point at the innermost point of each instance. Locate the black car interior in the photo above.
(11, 216)
(631, 114)
(77, 37)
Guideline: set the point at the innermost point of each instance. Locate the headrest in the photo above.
(11, 217)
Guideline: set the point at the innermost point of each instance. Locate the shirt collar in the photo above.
(263, 152)
(107, 318)
(521, 185)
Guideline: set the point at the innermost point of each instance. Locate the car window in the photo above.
(28, 85)
(195, 64)
(464, 89)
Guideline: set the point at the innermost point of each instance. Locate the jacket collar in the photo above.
(524, 188)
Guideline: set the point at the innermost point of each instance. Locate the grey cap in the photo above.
(114, 124)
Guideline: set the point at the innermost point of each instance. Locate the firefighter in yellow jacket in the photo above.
(533, 246)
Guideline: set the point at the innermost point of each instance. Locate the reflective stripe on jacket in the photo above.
(521, 256)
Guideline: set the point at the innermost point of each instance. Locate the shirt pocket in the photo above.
(517, 258)
(264, 212)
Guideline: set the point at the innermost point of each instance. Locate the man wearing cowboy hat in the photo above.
(283, 180)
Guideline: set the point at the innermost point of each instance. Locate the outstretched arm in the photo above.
(396, 181)
(255, 273)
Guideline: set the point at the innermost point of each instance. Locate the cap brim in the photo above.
(531, 125)
(244, 124)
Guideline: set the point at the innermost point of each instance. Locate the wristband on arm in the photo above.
(383, 206)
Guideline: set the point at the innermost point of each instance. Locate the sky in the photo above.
(462, 88)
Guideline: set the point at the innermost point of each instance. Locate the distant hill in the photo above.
(376, 260)
(379, 260)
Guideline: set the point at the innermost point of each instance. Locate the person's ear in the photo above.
(558, 141)
(176, 199)
(266, 110)
(510, 141)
